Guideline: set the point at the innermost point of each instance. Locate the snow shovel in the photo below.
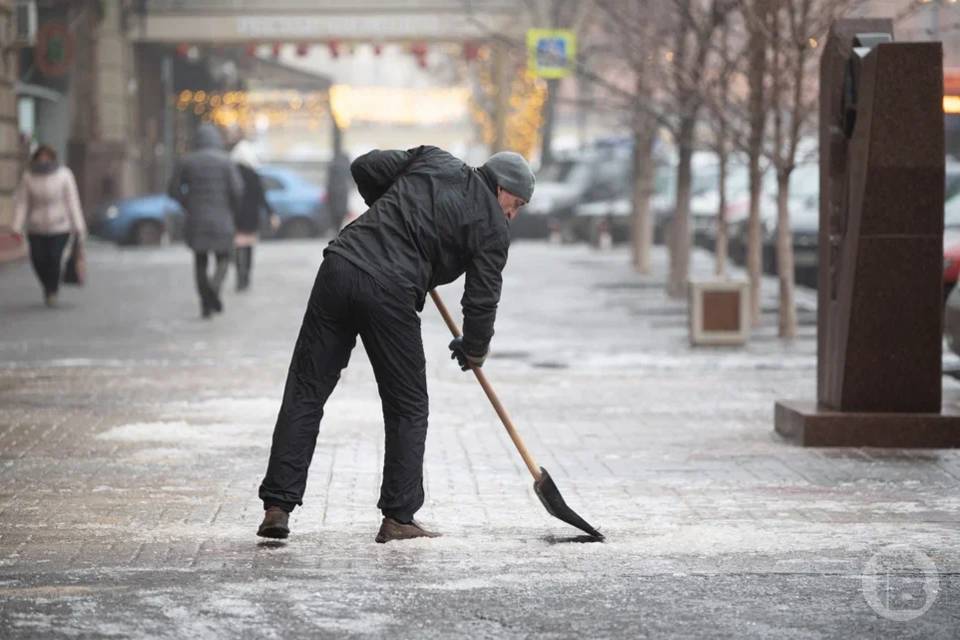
(543, 484)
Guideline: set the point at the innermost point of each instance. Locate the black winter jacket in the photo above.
(253, 204)
(432, 218)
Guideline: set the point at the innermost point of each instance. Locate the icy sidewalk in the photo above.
(132, 446)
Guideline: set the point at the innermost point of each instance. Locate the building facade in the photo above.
(9, 138)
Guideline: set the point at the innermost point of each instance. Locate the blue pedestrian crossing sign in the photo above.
(551, 53)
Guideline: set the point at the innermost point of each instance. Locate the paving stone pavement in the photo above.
(133, 436)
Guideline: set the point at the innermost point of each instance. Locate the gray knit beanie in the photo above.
(513, 173)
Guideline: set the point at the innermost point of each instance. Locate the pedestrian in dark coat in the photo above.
(431, 219)
(208, 186)
(250, 213)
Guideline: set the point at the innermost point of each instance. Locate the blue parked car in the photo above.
(153, 218)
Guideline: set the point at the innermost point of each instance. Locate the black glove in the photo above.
(464, 359)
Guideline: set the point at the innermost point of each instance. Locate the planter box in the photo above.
(719, 312)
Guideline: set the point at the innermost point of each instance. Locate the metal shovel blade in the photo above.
(550, 496)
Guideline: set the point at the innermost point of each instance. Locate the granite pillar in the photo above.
(881, 247)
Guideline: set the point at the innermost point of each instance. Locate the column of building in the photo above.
(9, 135)
(116, 96)
(102, 148)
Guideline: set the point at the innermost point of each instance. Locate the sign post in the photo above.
(551, 53)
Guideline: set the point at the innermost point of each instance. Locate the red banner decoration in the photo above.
(419, 51)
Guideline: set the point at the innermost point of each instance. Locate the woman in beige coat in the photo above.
(47, 205)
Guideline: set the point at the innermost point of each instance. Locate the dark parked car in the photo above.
(156, 217)
(804, 216)
(588, 175)
(951, 315)
(951, 245)
(804, 227)
(614, 215)
(705, 203)
(951, 266)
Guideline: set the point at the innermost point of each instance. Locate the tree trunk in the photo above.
(680, 232)
(785, 265)
(757, 69)
(754, 239)
(641, 230)
(720, 251)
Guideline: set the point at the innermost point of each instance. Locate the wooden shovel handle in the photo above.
(491, 394)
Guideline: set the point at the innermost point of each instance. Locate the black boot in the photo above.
(274, 523)
(205, 309)
(216, 304)
(244, 259)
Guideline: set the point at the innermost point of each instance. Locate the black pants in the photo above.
(244, 260)
(46, 255)
(346, 302)
(209, 288)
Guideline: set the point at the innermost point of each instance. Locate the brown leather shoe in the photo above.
(274, 524)
(390, 529)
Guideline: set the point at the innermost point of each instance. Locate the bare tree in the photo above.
(722, 118)
(744, 118)
(633, 56)
(666, 48)
(696, 22)
(756, 14)
(795, 30)
(644, 172)
(736, 100)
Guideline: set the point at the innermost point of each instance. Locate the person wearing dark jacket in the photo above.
(431, 219)
(251, 210)
(208, 186)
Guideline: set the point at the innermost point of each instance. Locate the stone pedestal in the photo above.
(879, 317)
(810, 425)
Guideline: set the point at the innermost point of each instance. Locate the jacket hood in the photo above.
(208, 137)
